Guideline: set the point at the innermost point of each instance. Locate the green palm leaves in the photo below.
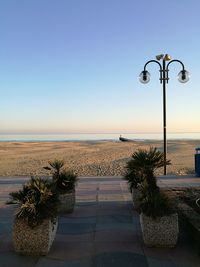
(55, 166)
(38, 200)
(65, 180)
(143, 165)
(140, 173)
(148, 160)
(154, 203)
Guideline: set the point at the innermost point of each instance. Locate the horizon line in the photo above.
(74, 133)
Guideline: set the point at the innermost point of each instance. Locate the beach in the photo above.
(89, 158)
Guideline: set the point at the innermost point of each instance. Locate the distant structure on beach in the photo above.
(124, 139)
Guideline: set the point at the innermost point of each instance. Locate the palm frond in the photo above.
(38, 200)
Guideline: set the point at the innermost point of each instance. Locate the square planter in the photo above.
(160, 232)
(136, 195)
(34, 241)
(67, 202)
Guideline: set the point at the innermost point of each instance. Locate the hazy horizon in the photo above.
(97, 132)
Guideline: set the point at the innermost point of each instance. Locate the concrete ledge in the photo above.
(191, 222)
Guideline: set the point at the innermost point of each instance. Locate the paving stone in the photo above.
(5, 226)
(86, 198)
(115, 218)
(71, 219)
(113, 208)
(46, 262)
(88, 237)
(110, 191)
(83, 211)
(87, 204)
(11, 259)
(108, 246)
(107, 212)
(110, 198)
(127, 197)
(112, 205)
(185, 255)
(114, 235)
(120, 259)
(71, 251)
(6, 243)
(160, 254)
(75, 228)
(86, 192)
(116, 227)
(163, 263)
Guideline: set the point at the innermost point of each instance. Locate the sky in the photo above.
(72, 66)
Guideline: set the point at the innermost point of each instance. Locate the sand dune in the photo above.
(88, 158)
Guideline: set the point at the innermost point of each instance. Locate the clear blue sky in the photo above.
(73, 65)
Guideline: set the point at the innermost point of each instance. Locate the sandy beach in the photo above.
(88, 158)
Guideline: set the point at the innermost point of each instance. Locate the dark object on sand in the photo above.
(124, 139)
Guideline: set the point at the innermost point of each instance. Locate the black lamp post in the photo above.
(183, 77)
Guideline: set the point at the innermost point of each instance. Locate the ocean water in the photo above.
(95, 137)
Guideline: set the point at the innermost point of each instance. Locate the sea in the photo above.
(96, 137)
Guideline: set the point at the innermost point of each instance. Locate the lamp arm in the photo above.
(150, 61)
(176, 60)
(153, 61)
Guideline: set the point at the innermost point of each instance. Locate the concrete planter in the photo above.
(67, 202)
(161, 232)
(136, 195)
(34, 241)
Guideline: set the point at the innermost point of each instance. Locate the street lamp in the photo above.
(183, 77)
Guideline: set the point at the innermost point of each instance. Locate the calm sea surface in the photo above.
(95, 137)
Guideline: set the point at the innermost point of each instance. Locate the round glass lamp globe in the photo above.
(144, 76)
(183, 76)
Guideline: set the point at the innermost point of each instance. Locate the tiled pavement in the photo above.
(103, 230)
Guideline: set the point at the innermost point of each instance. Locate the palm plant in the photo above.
(65, 180)
(37, 201)
(148, 161)
(133, 176)
(154, 203)
(157, 213)
(56, 167)
(143, 165)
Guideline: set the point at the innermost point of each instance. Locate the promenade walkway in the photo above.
(103, 230)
